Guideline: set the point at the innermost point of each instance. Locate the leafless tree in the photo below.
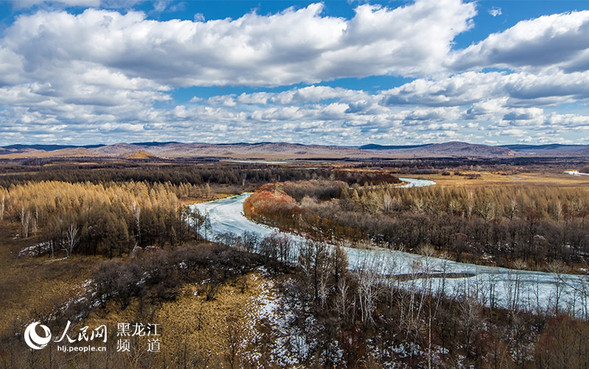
(71, 239)
(234, 336)
(367, 293)
(313, 259)
(25, 218)
(284, 248)
(471, 318)
(342, 298)
(340, 263)
(137, 216)
(35, 220)
(558, 268)
(250, 240)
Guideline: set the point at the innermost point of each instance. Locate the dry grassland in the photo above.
(33, 287)
(505, 179)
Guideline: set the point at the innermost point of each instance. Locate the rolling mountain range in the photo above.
(280, 150)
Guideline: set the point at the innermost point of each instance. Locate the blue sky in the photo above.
(332, 72)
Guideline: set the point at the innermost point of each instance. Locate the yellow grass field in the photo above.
(32, 287)
(504, 179)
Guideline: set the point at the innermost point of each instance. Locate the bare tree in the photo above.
(323, 289)
(558, 268)
(35, 220)
(471, 319)
(284, 248)
(367, 294)
(342, 298)
(137, 216)
(340, 263)
(314, 261)
(250, 241)
(71, 238)
(25, 218)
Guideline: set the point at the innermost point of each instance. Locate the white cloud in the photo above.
(20, 4)
(419, 116)
(298, 115)
(10, 67)
(568, 121)
(544, 88)
(487, 109)
(251, 50)
(199, 17)
(524, 114)
(80, 77)
(494, 11)
(453, 91)
(513, 132)
(558, 39)
(316, 94)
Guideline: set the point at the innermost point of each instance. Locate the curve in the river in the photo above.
(494, 286)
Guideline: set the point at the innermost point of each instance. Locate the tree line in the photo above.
(107, 219)
(220, 173)
(502, 224)
(109, 209)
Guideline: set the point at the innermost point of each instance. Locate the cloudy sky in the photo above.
(333, 72)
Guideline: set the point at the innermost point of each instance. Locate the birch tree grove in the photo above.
(108, 218)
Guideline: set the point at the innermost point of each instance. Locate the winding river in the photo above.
(492, 286)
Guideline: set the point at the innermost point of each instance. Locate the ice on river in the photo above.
(493, 286)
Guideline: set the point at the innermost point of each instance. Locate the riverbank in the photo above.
(500, 286)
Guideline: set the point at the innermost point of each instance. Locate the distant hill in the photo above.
(283, 150)
(447, 149)
(118, 149)
(20, 147)
(151, 144)
(520, 147)
(139, 155)
(583, 151)
(391, 147)
(550, 149)
(461, 149)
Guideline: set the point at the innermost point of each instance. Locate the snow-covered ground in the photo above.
(576, 173)
(36, 250)
(493, 286)
(293, 343)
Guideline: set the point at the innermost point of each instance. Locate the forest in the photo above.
(108, 210)
(235, 175)
(106, 219)
(99, 244)
(499, 224)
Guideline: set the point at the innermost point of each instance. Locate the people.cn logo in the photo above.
(35, 341)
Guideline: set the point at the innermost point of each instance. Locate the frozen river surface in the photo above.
(491, 285)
